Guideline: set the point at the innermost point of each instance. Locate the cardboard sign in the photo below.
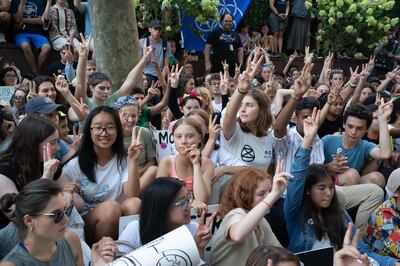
(175, 248)
(6, 93)
(164, 140)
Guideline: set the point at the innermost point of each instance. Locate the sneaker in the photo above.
(2, 37)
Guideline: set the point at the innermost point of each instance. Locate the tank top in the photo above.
(21, 257)
(187, 180)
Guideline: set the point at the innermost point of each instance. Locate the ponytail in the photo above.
(31, 200)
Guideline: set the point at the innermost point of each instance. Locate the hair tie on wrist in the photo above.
(241, 92)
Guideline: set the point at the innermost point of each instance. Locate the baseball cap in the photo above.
(155, 23)
(393, 182)
(41, 105)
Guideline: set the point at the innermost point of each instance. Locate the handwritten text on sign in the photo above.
(6, 93)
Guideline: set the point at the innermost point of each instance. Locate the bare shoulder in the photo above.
(74, 242)
(7, 263)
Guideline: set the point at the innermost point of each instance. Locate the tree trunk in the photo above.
(115, 38)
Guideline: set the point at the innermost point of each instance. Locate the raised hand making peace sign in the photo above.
(136, 146)
(50, 164)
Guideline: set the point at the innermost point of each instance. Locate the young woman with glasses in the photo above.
(166, 206)
(41, 218)
(106, 181)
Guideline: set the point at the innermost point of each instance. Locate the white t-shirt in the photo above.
(287, 146)
(108, 184)
(251, 150)
(221, 157)
(131, 234)
(217, 106)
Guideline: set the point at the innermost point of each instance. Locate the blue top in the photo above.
(88, 30)
(302, 236)
(356, 157)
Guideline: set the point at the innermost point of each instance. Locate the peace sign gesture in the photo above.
(32, 90)
(50, 164)
(203, 233)
(214, 128)
(349, 254)
(311, 124)
(354, 76)
(384, 109)
(253, 65)
(280, 179)
(224, 83)
(303, 82)
(84, 47)
(308, 56)
(136, 146)
(83, 108)
(174, 75)
(61, 83)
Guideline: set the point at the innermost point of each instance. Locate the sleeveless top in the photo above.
(187, 180)
(21, 257)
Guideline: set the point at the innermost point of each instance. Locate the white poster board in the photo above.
(164, 140)
(175, 248)
(6, 92)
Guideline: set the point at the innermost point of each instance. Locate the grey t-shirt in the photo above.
(64, 256)
(158, 51)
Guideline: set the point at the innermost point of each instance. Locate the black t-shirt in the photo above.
(280, 6)
(33, 9)
(225, 45)
(330, 127)
(58, 68)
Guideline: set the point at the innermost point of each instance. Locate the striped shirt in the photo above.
(287, 147)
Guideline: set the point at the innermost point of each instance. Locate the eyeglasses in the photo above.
(19, 98)
(97, 131)
(185, 203)
(10, 76)
(59, 215)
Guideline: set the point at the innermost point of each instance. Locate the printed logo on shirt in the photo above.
(247, 154)
(228, 38)
(268, 154)
(30, 10)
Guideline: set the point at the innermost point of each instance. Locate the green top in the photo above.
(110, 101)
(144, 117)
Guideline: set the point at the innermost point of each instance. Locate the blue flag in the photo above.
(194, 34)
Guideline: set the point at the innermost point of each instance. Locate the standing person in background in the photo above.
(28, 19)
(161, 50)
(226, 45)
(160, 55)
(299, 34)
(278, 22)
(61, 23)
(5, 18)
(84, 8)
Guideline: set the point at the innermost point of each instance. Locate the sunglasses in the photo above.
(59, 215)
(185, 203)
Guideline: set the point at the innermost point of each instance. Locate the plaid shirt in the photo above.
(383, 230)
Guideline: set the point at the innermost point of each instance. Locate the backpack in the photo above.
(164, 45)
